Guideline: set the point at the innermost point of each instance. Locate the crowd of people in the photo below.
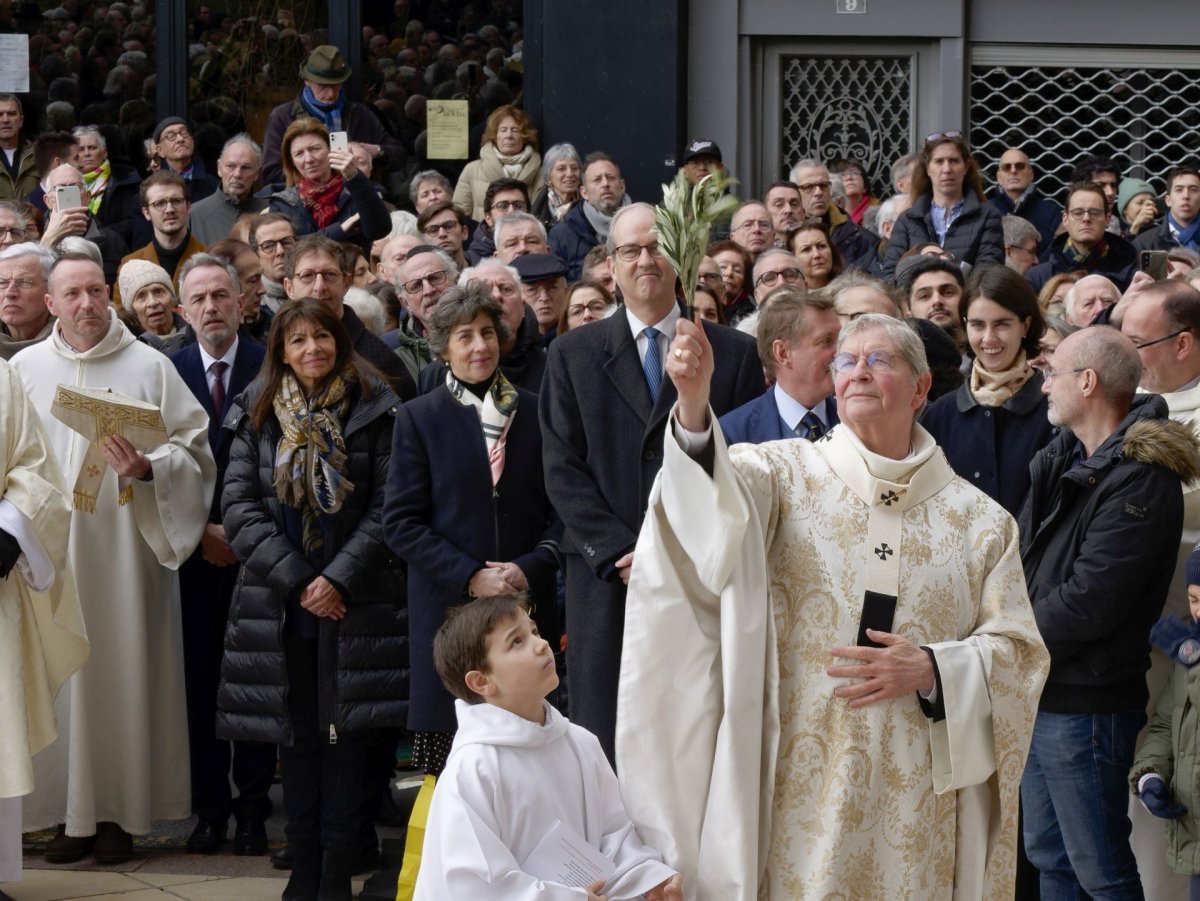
(854, 576)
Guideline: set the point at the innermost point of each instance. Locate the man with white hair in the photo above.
(886, 215)
(422, 279)
(1020, 243)
(518, 234)
(852, 663)
(1087, 298)
(238, 168)
(24, 317)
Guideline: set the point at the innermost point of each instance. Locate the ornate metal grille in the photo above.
(857, 107)
(1148, 120)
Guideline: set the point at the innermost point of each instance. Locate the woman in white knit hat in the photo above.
(149, 297)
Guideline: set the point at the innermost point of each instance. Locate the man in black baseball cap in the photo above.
(323, 97)
(702, 157)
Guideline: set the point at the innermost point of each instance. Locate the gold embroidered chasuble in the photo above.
(737, 761)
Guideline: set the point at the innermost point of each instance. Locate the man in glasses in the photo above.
(797, 338)
(811, 177)
(79, 221)
(773, 268)
(833, 608)
(604, 405)
(165, 206)
(587, 223)
(503, 196)
(272, 235)
(316, 267)
(1100, 535)
(24, 317)
(752, 228)
(175, 147)
(1016, 195)
(1085, 245)
(445, 226)
(421, 280)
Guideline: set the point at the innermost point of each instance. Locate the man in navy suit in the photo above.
(604, 406)
(797, 338)
(217, 367)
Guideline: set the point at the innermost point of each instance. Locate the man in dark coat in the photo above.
(1181, 226)
(812, 179)
(323, 97)
(217, 367)
(1100, 532)
(1086, 246)
(797, 339)
(604, 408)
(1016, 195)
(601, 193)
(80, 222)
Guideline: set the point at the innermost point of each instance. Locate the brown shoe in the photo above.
(65, 848)
(113, 844)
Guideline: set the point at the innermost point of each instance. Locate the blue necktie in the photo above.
(652, 364)
(811, 422)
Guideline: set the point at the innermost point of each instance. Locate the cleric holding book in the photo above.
(122, 747)
(849, 690)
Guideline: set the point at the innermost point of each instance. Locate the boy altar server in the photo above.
(522, 783)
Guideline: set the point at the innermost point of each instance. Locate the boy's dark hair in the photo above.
(461, 643)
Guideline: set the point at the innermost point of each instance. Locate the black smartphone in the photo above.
(1153, 262)
(878, 612)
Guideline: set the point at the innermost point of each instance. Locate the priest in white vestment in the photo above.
(763, 746)
(42, 638)
(122, 756)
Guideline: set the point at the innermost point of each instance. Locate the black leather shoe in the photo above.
(65, 848)
(113, 845)
(207, 837)
(284, 858)
(250, 839)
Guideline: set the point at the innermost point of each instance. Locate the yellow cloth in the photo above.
(414, 838)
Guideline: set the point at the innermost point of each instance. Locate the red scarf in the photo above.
(321, 199)
(856, 214)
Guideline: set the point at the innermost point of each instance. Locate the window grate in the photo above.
(1147, 119)
(859, 108)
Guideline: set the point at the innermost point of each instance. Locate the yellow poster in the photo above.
(448, 126)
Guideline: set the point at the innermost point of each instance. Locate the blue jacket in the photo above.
(572, 238)
(443, 518)
(991, 447)
(758, 421)
(1118, 264)
(1042, 212)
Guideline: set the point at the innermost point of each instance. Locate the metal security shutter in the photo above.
(1142, 107)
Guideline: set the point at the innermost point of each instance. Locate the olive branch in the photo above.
(684, 221)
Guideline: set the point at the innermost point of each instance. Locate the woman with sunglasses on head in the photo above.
(948, 207)
(991, 427)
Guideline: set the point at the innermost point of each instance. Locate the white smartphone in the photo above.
(339, 140)
(67, 197)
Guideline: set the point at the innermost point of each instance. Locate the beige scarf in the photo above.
(513, 165)
(993, 389)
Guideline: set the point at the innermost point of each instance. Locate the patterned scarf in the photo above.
(1187, 236)
(556, 205)
(1086, 259)
(496, 411)
(96, 181)
(322, 200)
(994, 389)
(329, 114)
(310, 461)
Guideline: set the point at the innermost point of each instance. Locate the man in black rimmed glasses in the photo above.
(165, 205)
(773, 268)
(421, 280)
(811, 177)
(1100, 532)
(1085, 245)
(1015, 194)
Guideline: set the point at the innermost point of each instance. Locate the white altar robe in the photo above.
(42, 638)
(122, 755)
(506, 782)
(736, 760)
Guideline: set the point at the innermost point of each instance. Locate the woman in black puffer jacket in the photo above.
(315, 650)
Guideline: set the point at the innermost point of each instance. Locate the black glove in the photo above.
(9, 552)
(1157, 799)
(1177, 638)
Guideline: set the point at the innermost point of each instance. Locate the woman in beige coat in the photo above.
(509, 151)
